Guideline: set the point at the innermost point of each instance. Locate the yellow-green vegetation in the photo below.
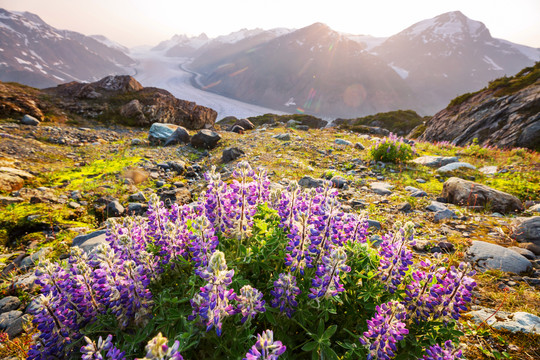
(400, 122)
(505, 85)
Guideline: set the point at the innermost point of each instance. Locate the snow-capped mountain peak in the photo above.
(448, 26)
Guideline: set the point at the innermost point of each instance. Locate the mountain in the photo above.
(451, 54)
(314, 70)
(504, 114)
(37, 54)
(435, 59)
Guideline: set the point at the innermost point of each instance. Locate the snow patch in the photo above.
(21, 61)
(401, 72)
(530, 52)
(490, 61)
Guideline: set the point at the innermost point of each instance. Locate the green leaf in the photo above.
(320, 328)
(310, 346)
(329, 332)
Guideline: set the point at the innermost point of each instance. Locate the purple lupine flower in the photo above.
(157, 349)
(297, 256)
(262, 186)
(385, 329)
(284, 293)
(287, 203)
(250, 302)
(93, 351)
(203, 242)
(212, 304)
(327, 227)
(395, 256)
(448, 352)
(265, 348)
(458, 285)
(216, 202)
(326, 283)
(355, 228)
(242, 197)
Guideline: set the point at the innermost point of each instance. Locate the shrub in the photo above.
(288, 265)
(392, 149)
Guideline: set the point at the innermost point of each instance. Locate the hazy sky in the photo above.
(139, 22)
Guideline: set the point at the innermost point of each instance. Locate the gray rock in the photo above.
(179, 136)
(292, 123)
(435, 161)
(7, 318)
(30, 120)
(159, 133)
(89, 242)
(135, 142)
(339, 181)
(404, 207)
(74, 205)
(381, 188)
(526, 253)
(421, 181)
(534, 208)
(282, 137)
(527, 230)
(490, 256)
(309, 182)
(137, 197)
(359, 146)
(376, 240)
(374, 223)
(343, 142)
(488, 170)
(178, 166)
(205, 139)
(9, 303)
(114, 209)
(443, 215)
(467, 193)
(515, 322)
(303, 127)
(231, 154)
(26, 282)
(136, 209)
(415, 192)
(7, 200)
(455, 166)
(32, 260)
(16, 327)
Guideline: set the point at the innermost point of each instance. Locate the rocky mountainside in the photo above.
(37, 54)
(113, 99)
(314, 70)
(451, 54)
(505, 114)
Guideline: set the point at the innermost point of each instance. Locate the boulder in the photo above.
(180, 196)
(90, 241)
(159, 133)
(231, 154)
(488, 170)
(282, 137)
(359, 146)
(136, 209)
(245, 124)
(137, 197)
(527, 230)
(16, 172)
(381, 188)
(415, 192)
(467, 193)
(205, 139)
(339, 181)
(120, 83)
(534, 208)
(237, 129)
(436, 206)
(33, 259)
(9, 183)
(443, 215)
(133, 110)
(491, 256)
(8, 318)
(343, 142)
(302, 127)
(179, 136)
(522, 251)
(30, 120)
(114, 209)
(435, 161)
(309, 182)
(454, 166)
(515, 322)
(178, 166)
(9, 303)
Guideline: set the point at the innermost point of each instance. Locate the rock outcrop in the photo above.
(509, 120)
(468, 193)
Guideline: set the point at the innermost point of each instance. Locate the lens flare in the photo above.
(354, 95)
(211, 85)
(238, 72)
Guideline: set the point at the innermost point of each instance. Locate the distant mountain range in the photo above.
(325, 73)
(313, 70)
(36, 54)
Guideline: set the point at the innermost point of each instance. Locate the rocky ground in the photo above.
(58, 184)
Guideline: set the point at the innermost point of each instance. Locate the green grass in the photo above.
(400, 122)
